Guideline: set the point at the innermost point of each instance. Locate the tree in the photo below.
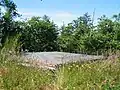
(39, 35)
(70, 38)
(83, 24)
(105, 25)
(117, 17)
(66, 38)
(7, 23)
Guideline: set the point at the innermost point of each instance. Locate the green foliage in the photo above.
(8, 26)
(100, 75)
(39, 34)
(72, 76)
(70, 38)
(82, 36)
(12, 45)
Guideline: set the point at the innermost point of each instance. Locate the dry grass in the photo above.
(95, 75)
(98, 75)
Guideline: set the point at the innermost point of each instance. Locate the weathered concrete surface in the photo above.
(55, 58)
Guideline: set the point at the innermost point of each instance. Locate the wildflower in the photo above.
(74, 65)
(77, 66)
(73, 87)
(104, 81)
(89, 67)
(69, 68)
(82, 65)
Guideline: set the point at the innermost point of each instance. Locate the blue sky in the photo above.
(66, 10)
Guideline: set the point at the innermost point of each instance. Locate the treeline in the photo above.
(41, 34)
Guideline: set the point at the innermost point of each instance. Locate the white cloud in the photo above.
(57, 16)
(65, 17)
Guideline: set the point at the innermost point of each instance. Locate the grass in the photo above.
(102, 75)
(16, 77)
(97, 75)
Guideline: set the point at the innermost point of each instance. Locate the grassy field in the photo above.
(97, 75)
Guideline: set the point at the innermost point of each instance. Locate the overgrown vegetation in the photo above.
(98, 75)
(42, 34)
(95, 75)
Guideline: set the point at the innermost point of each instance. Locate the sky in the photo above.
(67, 10)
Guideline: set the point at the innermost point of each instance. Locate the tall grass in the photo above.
(97, 75)
(102, 75)
(14, 76)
